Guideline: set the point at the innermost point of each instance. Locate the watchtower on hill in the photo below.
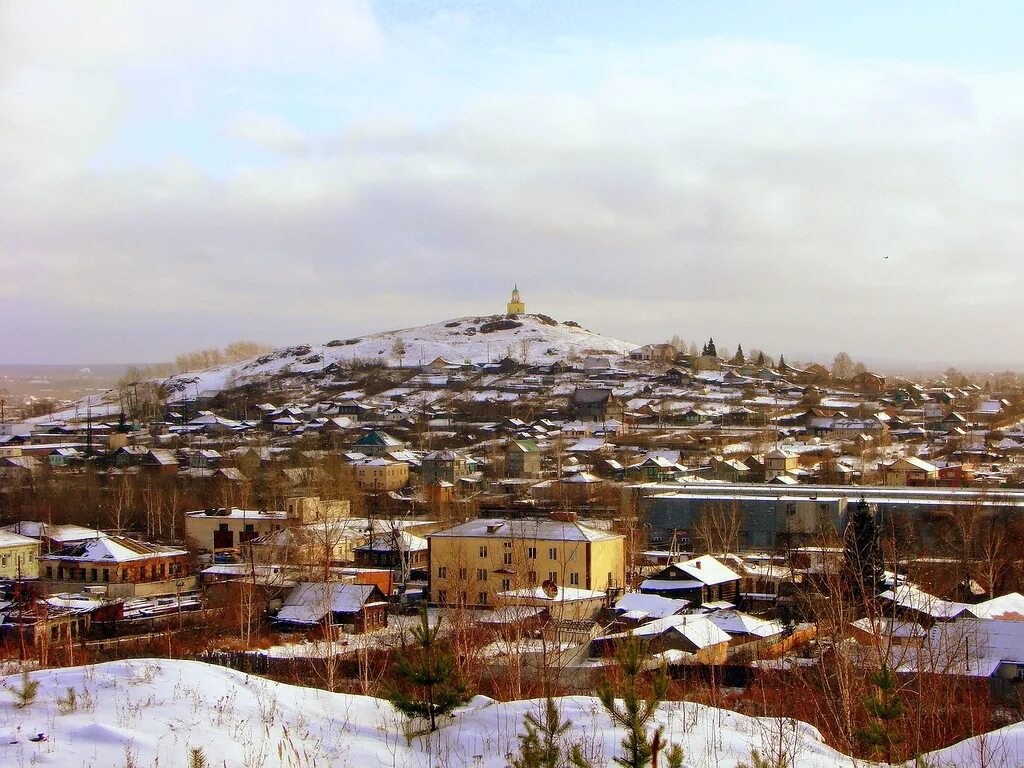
(515, 305)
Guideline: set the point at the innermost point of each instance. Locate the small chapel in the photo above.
(515, 304)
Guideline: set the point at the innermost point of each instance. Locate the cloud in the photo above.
(184, 175)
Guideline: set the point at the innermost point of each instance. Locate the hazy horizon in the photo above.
(798, 177)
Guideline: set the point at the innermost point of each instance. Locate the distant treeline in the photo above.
(198, 360)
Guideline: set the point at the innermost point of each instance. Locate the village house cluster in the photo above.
(684, 498)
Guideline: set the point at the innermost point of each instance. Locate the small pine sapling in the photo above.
(428, 685)
(25, 694)
(68, 703)
(885, 708)
(637, 710)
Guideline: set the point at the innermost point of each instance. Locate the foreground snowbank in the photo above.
(150, 712)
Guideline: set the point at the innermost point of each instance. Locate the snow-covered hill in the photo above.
(533, 338)
(150, 712)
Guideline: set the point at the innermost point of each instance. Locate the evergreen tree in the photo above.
(636, 710)
(782, 361)
(541, 746)
(760, 359)
(885, 708)
(739, 358)
(862, 554)
(712, 351)
(428, 683)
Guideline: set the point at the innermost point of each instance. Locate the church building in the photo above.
(515, 305)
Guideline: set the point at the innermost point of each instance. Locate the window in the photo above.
(463, 573)
(442, 572)
(507, 544)
(222, 527)
(553, 553)
(442, 596)
(106, 574)
(481, 574)
(507, 559)
(574, 579)
(249, 528)
(482, 598)
(553, 576)
(463, 598)
(483, 550)
(531, 553)
(506, 585)
(531, 577)
(49, 571)
(92, 574)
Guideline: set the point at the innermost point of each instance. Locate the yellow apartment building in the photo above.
(472, 563)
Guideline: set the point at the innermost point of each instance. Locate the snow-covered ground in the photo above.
(458, 341)
(150, 712)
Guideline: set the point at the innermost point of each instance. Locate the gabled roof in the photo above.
(310, 602)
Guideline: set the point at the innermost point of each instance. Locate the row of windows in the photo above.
(481, 575)
(94, 574)
(531, 553)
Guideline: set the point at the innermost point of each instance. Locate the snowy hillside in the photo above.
(150, 712)
(535, 338)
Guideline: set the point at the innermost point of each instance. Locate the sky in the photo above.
(800, 177)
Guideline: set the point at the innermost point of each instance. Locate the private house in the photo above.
(159, 461)
(778, 463)
(908, 471)
(354, 608)
(19, 556)
(867, 381)
(448, 465)
(472, 562)
(596, 404)
(659, 353)
(522, 459)
(700, 580)
(729, 470)
(692, 638)
(397, 550)
(119, 567)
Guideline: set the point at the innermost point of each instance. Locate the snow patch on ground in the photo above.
(156, 710)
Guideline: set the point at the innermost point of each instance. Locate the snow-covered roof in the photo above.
(114, 549)
(697, 629)
(637, 604)
(738, 623)
(309, 602)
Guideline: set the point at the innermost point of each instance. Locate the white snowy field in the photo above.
(150, 712)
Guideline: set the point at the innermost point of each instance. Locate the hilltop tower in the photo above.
(515, 305)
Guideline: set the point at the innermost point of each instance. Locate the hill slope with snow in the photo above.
(150, 712)
(535, 339)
